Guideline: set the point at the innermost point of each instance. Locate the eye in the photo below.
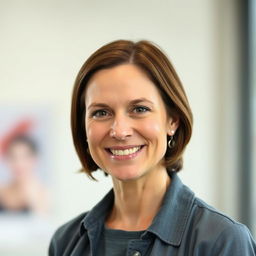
(101, 113)
(140, 109)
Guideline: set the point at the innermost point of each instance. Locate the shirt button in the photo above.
(136, 253)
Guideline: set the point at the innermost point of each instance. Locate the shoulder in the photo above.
(210, 217)
(66, 234)
(220, 233)
(70, 227)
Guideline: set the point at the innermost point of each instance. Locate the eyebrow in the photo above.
(136, 101)
(132, 102)
(99, 105)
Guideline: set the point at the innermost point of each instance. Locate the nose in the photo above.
(121, 128)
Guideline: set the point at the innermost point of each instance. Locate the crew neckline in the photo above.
(121, 234)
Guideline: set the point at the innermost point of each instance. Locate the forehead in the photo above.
(123, 82)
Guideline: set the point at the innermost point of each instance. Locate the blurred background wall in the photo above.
(44, 44)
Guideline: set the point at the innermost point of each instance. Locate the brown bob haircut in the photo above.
(148, 57)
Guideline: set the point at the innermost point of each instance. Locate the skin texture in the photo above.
(125, 110)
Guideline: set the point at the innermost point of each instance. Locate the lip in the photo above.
(124, 157)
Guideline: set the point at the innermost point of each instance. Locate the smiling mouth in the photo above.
(124, 152)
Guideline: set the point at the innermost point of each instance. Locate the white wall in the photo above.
(44, 43)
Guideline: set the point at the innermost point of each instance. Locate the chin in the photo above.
(125, 175)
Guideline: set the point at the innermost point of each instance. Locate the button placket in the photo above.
(138, 247)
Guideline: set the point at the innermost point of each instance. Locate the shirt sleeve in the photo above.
(52, 249)
(235, 240)
(65, 237)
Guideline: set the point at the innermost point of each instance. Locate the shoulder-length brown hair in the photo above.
(159, 69)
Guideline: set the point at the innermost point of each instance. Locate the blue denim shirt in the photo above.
(184, 226)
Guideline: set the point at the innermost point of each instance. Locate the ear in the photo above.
(173, 124)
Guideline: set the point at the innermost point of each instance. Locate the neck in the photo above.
(138, 201)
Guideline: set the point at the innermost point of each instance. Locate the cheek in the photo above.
(152, 128)
(95, 133)
(155, 132)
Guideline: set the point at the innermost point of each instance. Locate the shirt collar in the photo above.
(170, 222)
(98, 213)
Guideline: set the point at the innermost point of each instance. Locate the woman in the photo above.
(24, 193)
(131, 118)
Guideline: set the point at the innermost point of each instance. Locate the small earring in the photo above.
(171, 141)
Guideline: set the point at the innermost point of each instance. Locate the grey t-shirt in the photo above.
(114, 242)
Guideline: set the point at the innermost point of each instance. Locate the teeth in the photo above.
(124, 152)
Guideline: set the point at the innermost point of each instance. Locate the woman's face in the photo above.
(21, 159)
(126, 122)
